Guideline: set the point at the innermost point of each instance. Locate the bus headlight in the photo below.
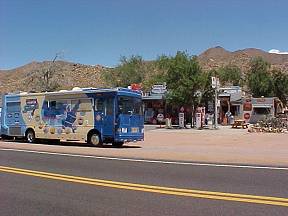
(142, 130)
(124, 130)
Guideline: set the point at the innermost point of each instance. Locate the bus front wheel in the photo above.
(95, 139)
(30, 136)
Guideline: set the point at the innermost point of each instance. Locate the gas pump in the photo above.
(181, 117)
(200, 117)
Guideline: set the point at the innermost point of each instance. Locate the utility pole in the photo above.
(216, 110)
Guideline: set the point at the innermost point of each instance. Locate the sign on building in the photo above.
(215, 82)
(160, 117)
(159, 89)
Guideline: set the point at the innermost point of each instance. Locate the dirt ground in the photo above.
(226, 145)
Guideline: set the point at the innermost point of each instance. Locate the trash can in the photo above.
(231, 120)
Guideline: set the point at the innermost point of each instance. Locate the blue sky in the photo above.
(99, 32)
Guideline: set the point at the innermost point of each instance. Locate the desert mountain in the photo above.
(69, 75)
(218, 56)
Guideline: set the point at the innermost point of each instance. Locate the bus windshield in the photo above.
(130, 105)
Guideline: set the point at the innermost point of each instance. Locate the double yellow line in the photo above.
(152, 189)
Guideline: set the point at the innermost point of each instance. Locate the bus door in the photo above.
(13, 118)
(105, 116)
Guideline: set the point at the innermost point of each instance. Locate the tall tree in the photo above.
(259, 79)
(280, 81)
(185, 79)
(230, 74)
(130, 70)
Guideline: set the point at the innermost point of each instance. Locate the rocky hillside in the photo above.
(69, 75)
(218, 56)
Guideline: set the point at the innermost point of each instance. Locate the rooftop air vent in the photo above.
(76, 89)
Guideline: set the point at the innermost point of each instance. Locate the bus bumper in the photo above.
(129, 137)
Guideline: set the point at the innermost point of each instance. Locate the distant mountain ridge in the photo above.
(218, 56)
(70, 74)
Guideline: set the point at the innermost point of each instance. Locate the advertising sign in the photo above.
(159, 89)
(267, 101)
(31, 104)
(247, 106)
(160, 117)
(247, 116)
(215, 82)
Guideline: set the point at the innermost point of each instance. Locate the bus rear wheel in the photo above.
(95, 139)
(117, 144)
(30, 136)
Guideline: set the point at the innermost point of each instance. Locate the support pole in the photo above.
(216, 110)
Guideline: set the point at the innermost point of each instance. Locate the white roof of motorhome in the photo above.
(75, 90)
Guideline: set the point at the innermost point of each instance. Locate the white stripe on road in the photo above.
(147, 161)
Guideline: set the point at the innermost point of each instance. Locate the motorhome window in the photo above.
(52, 104)
(82, 105)
(13, 107)
(85, 105)
(60, 105)
(109, 106)
(57, 107)
(45, 104)
(99, 105)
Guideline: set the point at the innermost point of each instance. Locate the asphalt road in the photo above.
(81, 189)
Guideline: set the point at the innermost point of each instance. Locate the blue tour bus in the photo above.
(93, 115)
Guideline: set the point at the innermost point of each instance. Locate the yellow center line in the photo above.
(151, 188)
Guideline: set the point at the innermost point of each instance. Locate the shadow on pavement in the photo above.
(72, 143)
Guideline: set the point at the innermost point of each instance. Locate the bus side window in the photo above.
(45, 108)
(52, 105)
(121, 106)
(57, 107)
(85, 105)
(99, 105)
(45, 104)
(13, 106)
(109, 106)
